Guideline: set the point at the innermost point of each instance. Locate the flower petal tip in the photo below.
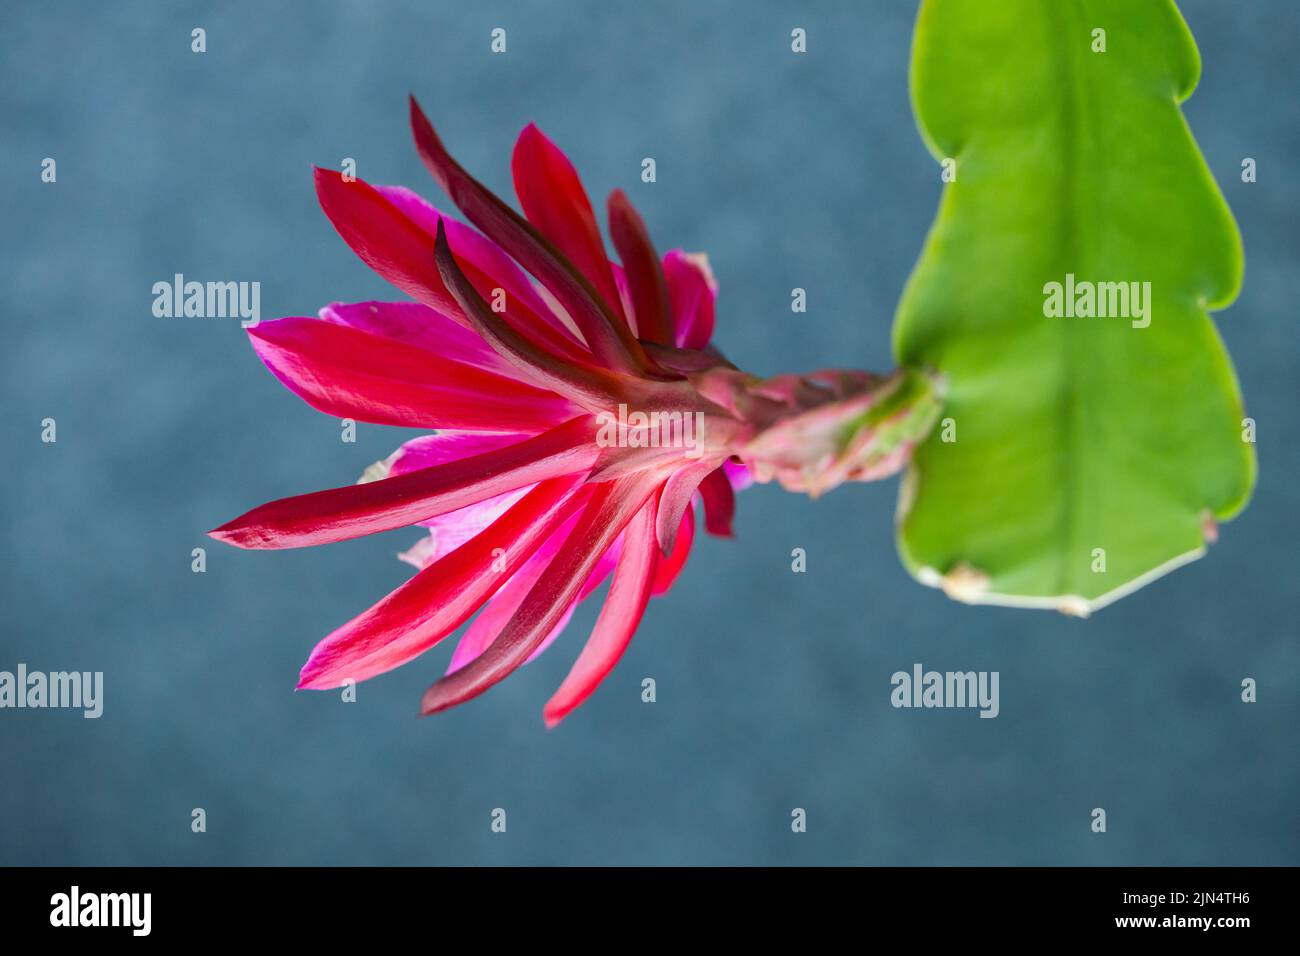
(309, 678)
(230, 533)
(431, 702)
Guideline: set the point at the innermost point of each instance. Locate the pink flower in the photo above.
(581, 415)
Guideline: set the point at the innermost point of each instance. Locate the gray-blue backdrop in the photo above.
(773, 688)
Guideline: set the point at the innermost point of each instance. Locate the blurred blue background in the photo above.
(773, 687)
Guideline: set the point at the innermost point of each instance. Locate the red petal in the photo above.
(645, 279)
(692, 292)
(668, 568)
(678, 491)
(426, 451)
(612, 505)
(498, 611)
(608, 338)
(490, 268)
(349, 373)
(355, 510)
(628, 595)
(414, 323)
(719, 503)
(440, 598)
(402, 252)
(554, 201)
(592, 387)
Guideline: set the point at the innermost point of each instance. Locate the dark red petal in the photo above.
(593, 387)
(611, 507)
(354, 510)
(668, 568)
(719, 503)
(440, 598)
(415, 324)
(349, 373)
(402, 252)
(608, 338)
(628, 594)
(487, 261)
(497, 612)
(645, 279)
(554, 201)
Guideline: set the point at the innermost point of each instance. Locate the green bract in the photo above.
(1079, 456)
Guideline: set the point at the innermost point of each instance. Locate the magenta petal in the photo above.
(471, 246)
(628, 595)
(448, 532)
(417, 325)
(692, 292)
(440, 598)
(354, 510)
(496, 614)
(678, 491)
(446, 446)
(611, 506)
(738, 474)
(349, 373)
(602, 569)
(402, 252)
(669, 567)
(384, 238)
(554, 200)
(556, 631)
(484, 628)
(645, 278)
(606, 335)
(498, 611)
(592, 387)
(719, 503)
(595, 579)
